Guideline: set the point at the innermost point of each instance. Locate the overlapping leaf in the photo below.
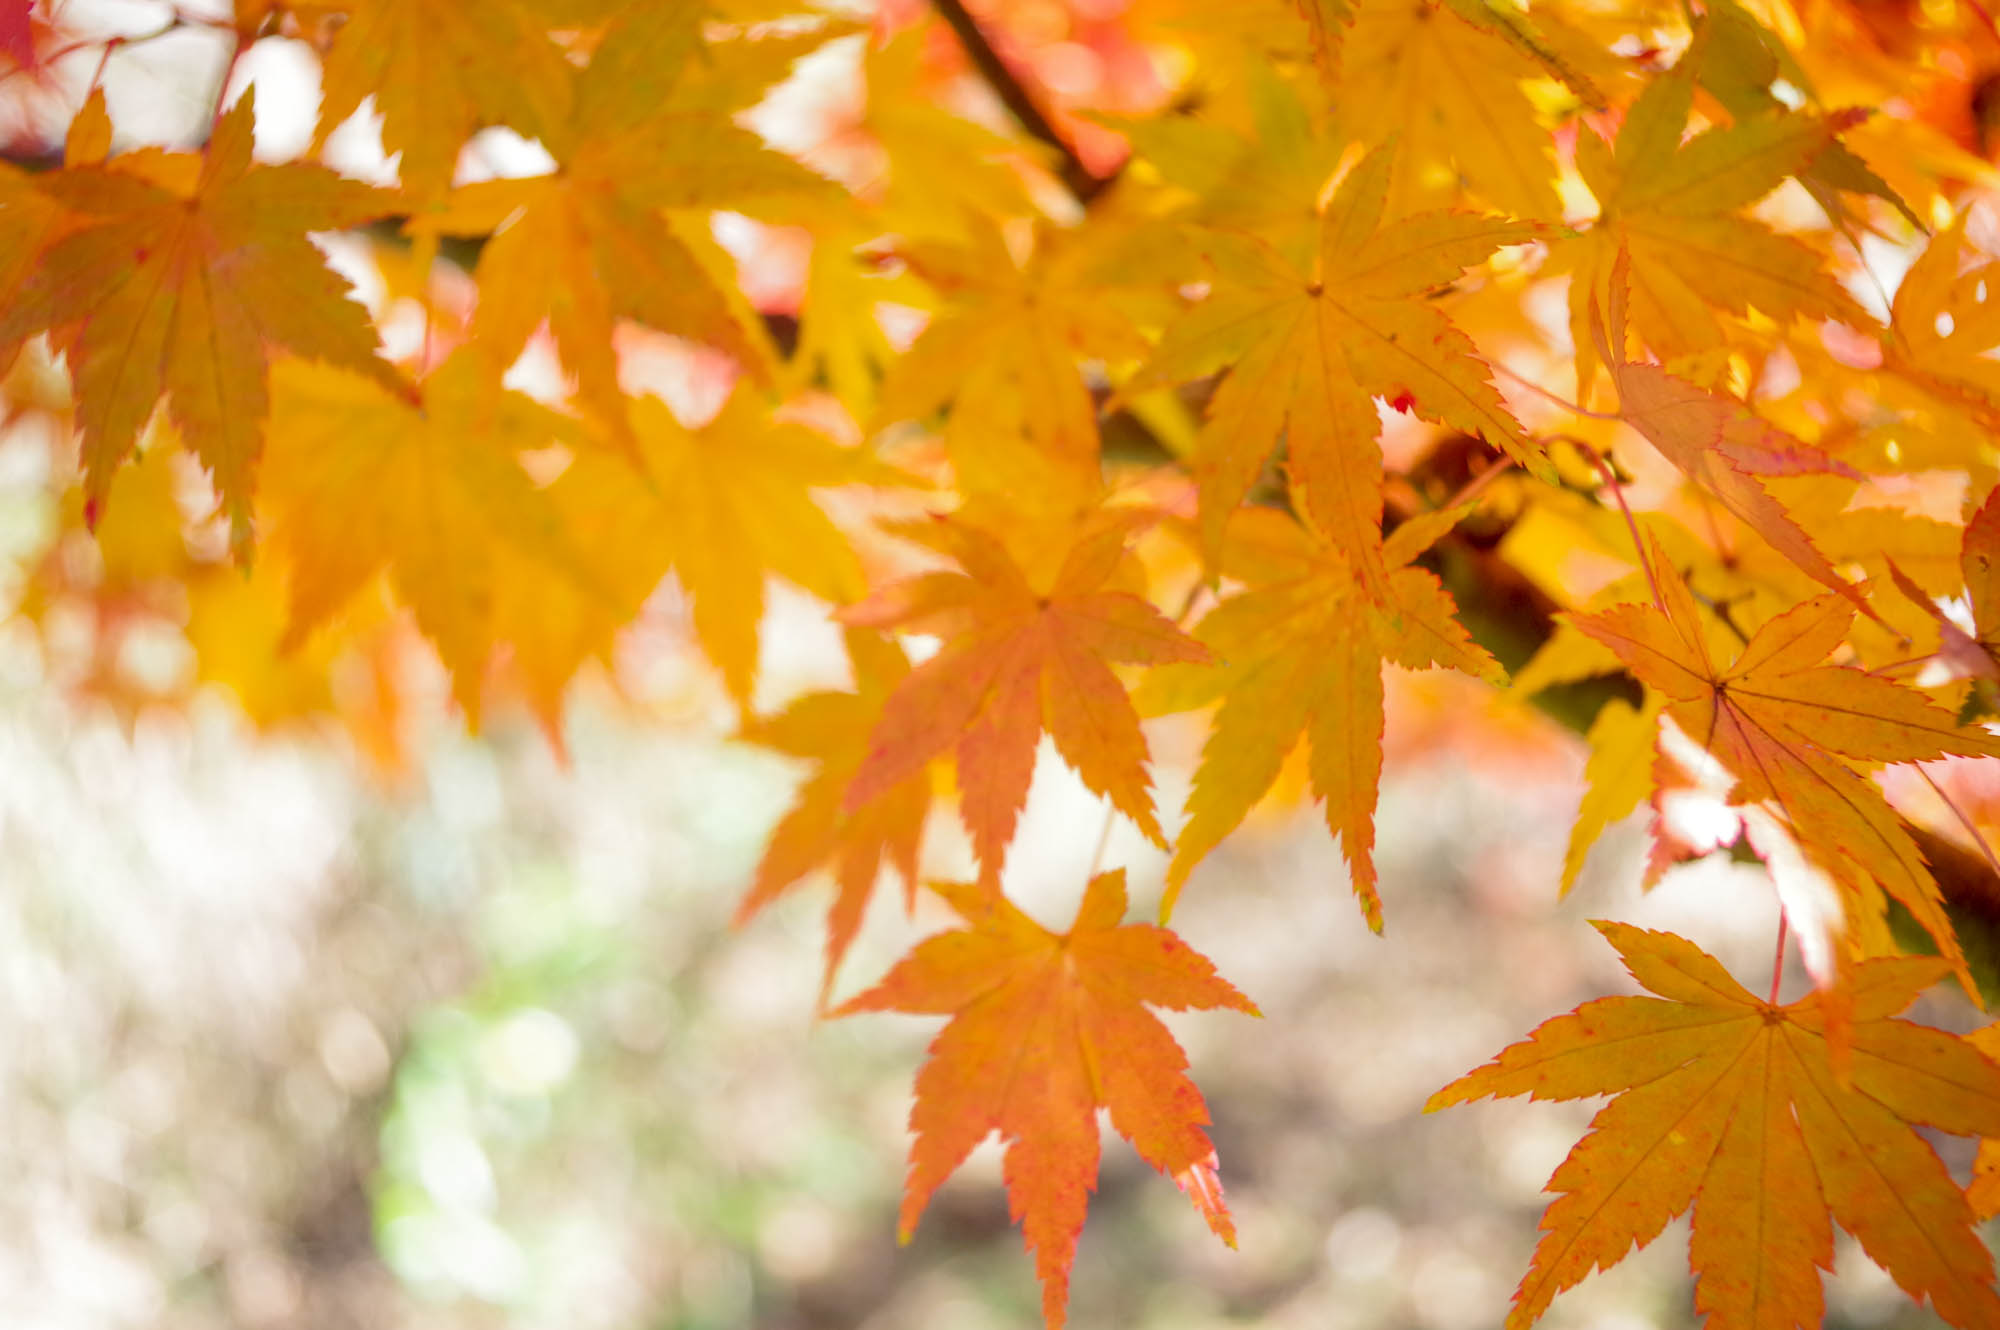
(1717, 442)
(1046, 1029)
(361, 481)
(1311, 346)
(1299, 655)
(1676, 208)
(439, 70)
(174, 275)
(1732, 1105)
(1024, 659)
(1785, 726)
(819, 829)
(594, 240)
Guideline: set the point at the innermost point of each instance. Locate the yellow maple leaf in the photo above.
(1675, 208)
(1450, 93)
(438, 70)
(1311, 345)
(1298, 654)
(609, 234)
(360, 481)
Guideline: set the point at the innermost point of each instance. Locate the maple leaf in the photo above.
(724, 506)
(1449, 91)
(1718, 443)
(1026, 659)
(1944, 323)
(1975, 654)
(1299, 653)
(438, 71)
(832, 728)
(359, 480)
(175, 274)
(1310, 347)
(1674, 207)
(28, 221)
(596, 239)
(1732, 1105)
(1616, 777)
(1047, 1028)
(1006, 346)
(1782, 723)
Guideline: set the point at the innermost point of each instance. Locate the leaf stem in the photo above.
(1964, 821)
(1778, 960)
(1631, 524)
(1546, 395)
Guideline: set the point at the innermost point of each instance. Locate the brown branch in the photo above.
(1014, 95)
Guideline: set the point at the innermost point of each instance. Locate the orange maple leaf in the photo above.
(177, 272)
(1027, 659)
(833, 728)
(1047, 1028)
(1732, 1105)
(1312, 344)
(1782, 723)
(1300, 654)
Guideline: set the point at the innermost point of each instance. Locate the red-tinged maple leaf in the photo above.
(1784, 725)
(439, 70)
(1028, 658)
(176, 274)
(832, 728)
(1718, 443)
(1045, 1029)
(1732, 1105)
(1299, 654)
(1311, 345)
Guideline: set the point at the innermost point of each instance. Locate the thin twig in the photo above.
(1014, 95)
(1964, 821)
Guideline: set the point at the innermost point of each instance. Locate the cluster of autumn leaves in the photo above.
(1134, 464)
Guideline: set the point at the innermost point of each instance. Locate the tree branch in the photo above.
(1014, 95)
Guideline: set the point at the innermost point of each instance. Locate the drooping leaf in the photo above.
(1719, 444)
(1732, 1105)
(1046, 1029)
